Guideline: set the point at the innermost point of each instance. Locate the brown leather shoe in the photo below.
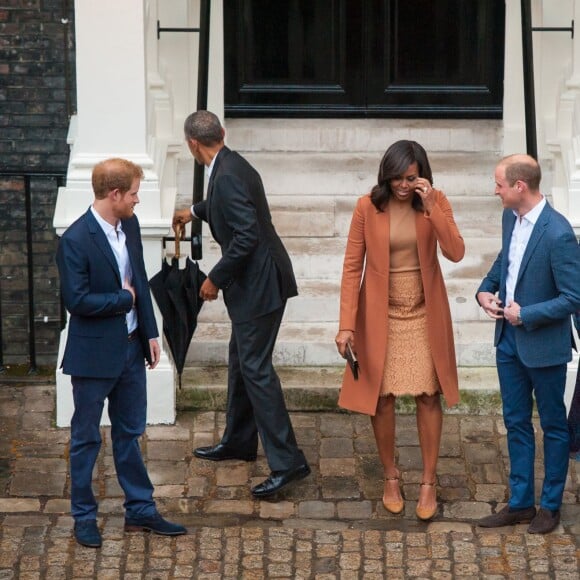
(395, 507)
(544, 522)
(505, 517)
(423, 513)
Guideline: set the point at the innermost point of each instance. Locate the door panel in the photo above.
(444, 56)
(382, 58)
(290, 55)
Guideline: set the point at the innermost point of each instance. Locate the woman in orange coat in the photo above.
(394, 312)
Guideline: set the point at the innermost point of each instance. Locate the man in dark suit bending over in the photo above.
(111, 333)
(256, 278)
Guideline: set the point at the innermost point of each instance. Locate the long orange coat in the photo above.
(364, 305)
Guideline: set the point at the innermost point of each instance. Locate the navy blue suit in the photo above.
(103, 363)
(256, 278)
(532, 357)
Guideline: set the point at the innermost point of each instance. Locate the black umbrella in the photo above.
(176, 292)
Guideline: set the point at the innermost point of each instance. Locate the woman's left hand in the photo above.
(426, 192)
(342, 338)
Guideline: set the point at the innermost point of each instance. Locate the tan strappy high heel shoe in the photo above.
(395, 507)
(426, 514)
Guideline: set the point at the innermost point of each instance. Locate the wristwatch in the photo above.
(519, 318)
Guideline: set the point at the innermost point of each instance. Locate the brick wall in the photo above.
(37, 98)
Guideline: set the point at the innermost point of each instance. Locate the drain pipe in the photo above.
(529, 91)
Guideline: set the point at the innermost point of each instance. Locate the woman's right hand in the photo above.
(342, 338)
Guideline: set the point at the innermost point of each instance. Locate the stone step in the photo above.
(308, 343)
(317, 388)
(301, 216)
(354, 174)
(316, 258)
(350, 175)
(363, 135)
(328, 216)
(318, 301)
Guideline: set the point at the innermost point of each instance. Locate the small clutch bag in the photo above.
(352, 361)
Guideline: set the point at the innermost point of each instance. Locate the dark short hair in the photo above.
(394, 163)
(522, 168)
(114, 173)
(205, 127)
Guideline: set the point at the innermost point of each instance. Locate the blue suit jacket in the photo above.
(547, 288)
(92, 291)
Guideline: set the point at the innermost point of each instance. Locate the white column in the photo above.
(112, 122)
(513, 99)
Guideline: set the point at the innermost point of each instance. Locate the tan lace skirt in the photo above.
(409, 366)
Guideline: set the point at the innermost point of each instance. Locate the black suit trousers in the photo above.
(256, 403)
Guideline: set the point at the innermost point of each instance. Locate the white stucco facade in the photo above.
(134, 91)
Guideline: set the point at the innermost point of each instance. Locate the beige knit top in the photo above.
(404, 256)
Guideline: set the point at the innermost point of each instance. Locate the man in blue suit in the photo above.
(112, 331)
(537, 276)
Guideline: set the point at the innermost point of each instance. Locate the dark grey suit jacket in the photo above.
(255, 272)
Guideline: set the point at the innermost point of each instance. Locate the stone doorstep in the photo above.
(364, 135)
(317, 388)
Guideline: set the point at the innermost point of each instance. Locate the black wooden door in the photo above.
(377, 58)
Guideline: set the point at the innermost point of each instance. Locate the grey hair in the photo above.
(205, 127)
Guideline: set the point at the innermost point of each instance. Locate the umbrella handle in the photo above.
(179, 231)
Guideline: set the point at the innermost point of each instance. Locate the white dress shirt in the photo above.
(521, 233)
(118, 242)
(209, 170)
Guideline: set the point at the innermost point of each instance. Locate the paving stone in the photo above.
(278, 511)
(233, 506)
(55, 506)
(233, 474)
(337, 467)
(168, 451)
(335, 425)
(316, 509)
(24, 485)
(340, 488)
(166, 472)
(8, 505)
(336, 447)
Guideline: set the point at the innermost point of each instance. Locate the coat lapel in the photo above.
(102, 243)
(537, 233)
(214, 172)
(509, 223)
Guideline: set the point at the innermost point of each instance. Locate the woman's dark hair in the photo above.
(394, 163)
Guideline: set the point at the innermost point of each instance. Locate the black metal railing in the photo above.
(528, 68)
(28, 178)
(202, 88)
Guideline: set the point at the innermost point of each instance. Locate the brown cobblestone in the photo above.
(337, 467)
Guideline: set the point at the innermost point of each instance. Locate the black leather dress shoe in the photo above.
(220, 452)
(544, 522)
(280, 479)
(507, 517)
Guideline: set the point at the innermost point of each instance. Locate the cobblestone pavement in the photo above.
(331, 525)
